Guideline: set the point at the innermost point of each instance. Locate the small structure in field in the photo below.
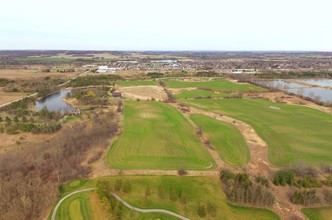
(105, 69)
(74, 112)
(244, 71)
(116, 94)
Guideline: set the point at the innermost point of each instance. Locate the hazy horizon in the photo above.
(146, 25)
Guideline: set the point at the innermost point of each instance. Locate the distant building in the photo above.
(164, 61)
(89, 66)
(244, 71)
(116, 94)
(105, 69)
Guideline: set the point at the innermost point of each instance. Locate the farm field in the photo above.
(189, 193)
(318, 213)
(143, 92)
(217, 84)
(293, 133)
(225, 138)
(31, 74)
(137, 83)
(157, 136)
(6, 97)
(199, 94)
(52, 59)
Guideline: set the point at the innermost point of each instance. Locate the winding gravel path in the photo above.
(122, 201)
(63, 199)
(149, 210)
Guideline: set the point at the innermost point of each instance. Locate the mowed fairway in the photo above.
(195, 190)
(225, 138)
(293, 133)
(157, 136)
(85, 205)
(216, 84)
(137, 83)
(318, 213)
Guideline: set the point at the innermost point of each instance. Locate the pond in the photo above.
(54, 102)
(319, 94)
(318, 82)
(279, 84)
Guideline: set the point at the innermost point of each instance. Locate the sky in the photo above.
(300, 25)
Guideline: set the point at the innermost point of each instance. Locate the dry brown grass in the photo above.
(33, 73)
(27, 141)
(10, 96)
(143, 92)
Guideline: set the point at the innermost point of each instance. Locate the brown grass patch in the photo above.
(33, 73)
(144, 92)
(6, 97)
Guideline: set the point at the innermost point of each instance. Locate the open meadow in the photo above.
(293, 133)
(182, 195)
(225, 138)
(318, 213)
(6, 97)
(197, 94)
(157, 136)
(32, 73)
(215, 84)
(137, 83)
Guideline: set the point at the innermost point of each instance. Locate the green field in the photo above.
(318, 213)
(293, 133)
(200, 94)
(86, 205)
(50, 59)
(189, 193)
(225, 138)
(137, 83)
(217, 84)
(81, 206)
(157, 136)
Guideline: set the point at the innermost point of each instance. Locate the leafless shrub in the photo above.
(29, 179)
(182, 172)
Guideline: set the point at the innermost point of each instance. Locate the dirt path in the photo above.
(258, 164)
(103, 170)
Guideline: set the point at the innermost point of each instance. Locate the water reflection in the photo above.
(54, 102)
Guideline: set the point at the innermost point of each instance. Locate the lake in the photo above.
(318, 82)
(54, 102)
(320, 94)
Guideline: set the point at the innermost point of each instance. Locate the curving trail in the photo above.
(149, 210)
(122, 201)
(64, 198)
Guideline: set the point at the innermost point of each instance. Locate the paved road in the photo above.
(59, 203)
(149, 210)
